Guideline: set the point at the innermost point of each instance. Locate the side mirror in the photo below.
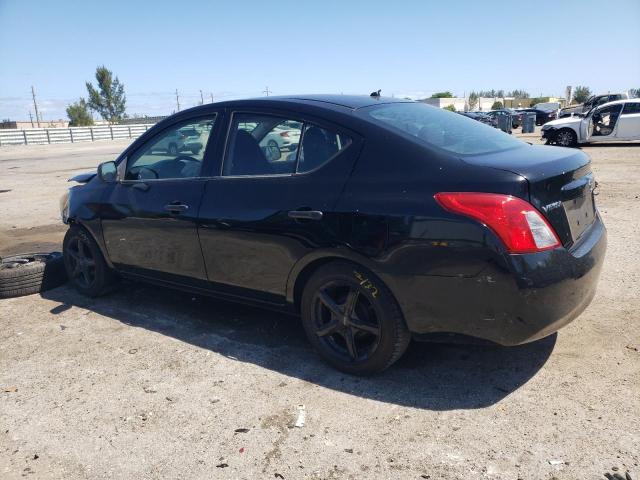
(108, 172)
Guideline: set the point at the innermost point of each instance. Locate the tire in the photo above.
(172, 149)
(84, 263)
(273, 143)
(566, 138)
(30, 273)
(195, 150)
(375, 325)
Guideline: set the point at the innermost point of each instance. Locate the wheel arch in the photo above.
(75, 221)
(308, 265)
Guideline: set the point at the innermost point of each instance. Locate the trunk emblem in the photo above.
(551, 206)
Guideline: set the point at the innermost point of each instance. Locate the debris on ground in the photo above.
(10, 389)
(241, 430)
(222, 465)
(302, 416)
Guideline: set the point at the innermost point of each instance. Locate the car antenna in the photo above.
(375, 94)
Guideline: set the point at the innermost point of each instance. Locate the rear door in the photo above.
(267, 208)
(149, 217)
(629, 121)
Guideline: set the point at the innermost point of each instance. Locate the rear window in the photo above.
(442, 129)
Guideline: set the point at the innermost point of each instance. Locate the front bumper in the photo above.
(549, 134)
(529, 297)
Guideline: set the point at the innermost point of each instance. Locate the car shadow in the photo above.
(610, 144)
(430, 375)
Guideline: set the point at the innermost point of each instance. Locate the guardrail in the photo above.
(43, 136)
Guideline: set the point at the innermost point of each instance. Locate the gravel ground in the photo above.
(150, 383)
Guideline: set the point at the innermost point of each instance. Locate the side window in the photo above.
(318, 147)
(631, 108)
(262, 145)
(176, 153)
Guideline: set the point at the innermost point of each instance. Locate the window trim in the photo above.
(631, 103)
(285, 116)
(212, 115)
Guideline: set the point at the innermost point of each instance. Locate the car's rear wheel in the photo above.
(84, 263)
(352, 319)
(566, 138)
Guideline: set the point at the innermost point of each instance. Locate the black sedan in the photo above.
(516, 116)
(389, 220)
(542, 116)
(481, 117)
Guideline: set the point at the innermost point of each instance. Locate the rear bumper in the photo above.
(529, 297)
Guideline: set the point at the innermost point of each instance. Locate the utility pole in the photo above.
(201, 98)
(266, 91)
(211, 97)
(177, 100)
(31, 118)
(35, 105)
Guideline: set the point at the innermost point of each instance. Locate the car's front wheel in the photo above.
(352, 319)
(84, 263)
(566, 138)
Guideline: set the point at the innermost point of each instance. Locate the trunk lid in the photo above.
(560, 182)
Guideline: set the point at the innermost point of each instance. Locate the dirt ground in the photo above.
(149, 383)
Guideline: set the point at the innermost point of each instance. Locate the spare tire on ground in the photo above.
(30, 273)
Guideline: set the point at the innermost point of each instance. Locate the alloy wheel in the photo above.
(82, 263)
(564, 139)
(345, 321)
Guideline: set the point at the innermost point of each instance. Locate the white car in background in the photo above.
(611, 122)
(285, 136)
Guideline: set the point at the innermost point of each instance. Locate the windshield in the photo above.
(440, 128)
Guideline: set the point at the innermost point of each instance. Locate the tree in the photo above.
(536, 100)
(518, 94)
(79, 115)
(451, 108)
(581, 94)
(496, 106)
(442, 95)
(108, 99)
(473, 100)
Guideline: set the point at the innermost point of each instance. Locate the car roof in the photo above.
(352, 102)
(346, 103)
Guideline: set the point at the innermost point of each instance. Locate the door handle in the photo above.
(306, 214)
(176, 207)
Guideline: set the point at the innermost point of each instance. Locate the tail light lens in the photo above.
(284, 134)
(516, 222)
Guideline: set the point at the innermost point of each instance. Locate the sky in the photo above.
(238, 49)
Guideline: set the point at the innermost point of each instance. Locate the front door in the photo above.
(603, 123)
(149, 217)
(268, 208)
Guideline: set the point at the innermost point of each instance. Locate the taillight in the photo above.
(284, 134)
(516, 222)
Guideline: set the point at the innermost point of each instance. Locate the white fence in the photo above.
(70, 135)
